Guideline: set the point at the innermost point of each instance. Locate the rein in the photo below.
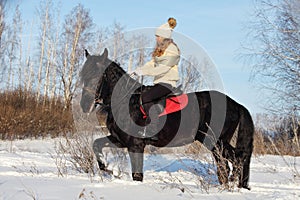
(98, 100)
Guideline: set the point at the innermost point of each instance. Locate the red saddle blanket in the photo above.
(174, 104)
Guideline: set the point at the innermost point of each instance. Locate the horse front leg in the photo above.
(101, 143)
(136, 155)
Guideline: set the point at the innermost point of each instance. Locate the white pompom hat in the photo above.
(166, 29)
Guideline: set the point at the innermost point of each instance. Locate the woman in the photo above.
(163, 65)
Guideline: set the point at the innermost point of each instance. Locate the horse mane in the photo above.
(114, 72)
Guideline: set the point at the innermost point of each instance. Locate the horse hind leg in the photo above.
(240, 155)
(244, 147)
(240, 160)
(223, 169)
(243, 183)
(241, 168)
(230, 155)
(224, 153)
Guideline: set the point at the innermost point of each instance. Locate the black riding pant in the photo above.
(156, 92)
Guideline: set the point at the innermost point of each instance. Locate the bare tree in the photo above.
(54, 52)
(119, 42)
(13, 44)
(48, 45)
(2, 28)
(19, 27)
(76, 35)
(28, 68)
(44, 14)
(2, 23)
(273, 49)
(101, 36)
(138, 51)
(190, 75)
(51, 63)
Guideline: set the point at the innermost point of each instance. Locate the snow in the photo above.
(28, 171)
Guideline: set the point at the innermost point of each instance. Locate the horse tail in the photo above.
(244, 146)
(245, 131)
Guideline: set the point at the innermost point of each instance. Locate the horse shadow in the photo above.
(206, 170)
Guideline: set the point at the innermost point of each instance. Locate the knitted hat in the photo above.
(166, 29)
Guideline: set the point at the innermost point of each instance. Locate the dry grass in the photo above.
(22, 116)
(283, 145)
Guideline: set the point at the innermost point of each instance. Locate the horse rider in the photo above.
(163, 67)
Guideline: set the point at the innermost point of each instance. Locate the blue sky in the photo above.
(218, 26)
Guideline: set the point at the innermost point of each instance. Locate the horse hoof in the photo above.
(101, 166)
(137, 176)
(247, 187)
(244, 186)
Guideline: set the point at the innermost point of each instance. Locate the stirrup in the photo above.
(143, 134)
(141, 100)
(142, 109)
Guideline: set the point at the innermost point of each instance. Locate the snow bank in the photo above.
(28, 171)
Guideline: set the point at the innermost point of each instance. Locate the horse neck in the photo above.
(113, 73)
(116, 75)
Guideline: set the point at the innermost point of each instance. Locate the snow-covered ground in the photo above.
(28, 171)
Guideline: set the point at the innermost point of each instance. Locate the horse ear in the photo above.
(105, 53)
(87, 54)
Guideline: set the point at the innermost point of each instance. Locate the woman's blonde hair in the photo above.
(162, 46)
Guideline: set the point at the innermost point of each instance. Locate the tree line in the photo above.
(46, 59)
(272, 51)
(40, 62)
(40, 59)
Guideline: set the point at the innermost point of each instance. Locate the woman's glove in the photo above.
(137, 72)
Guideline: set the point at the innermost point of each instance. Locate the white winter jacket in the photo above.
(164, 68)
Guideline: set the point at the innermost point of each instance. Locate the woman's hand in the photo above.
(134, 75)
(136, 72)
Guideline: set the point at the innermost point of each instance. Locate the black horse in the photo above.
(210, 118)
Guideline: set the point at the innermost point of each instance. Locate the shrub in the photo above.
(23, 116)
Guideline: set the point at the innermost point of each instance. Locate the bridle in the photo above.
(99, 102)
(98, 92)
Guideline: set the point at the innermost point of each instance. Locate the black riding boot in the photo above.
(153, 125)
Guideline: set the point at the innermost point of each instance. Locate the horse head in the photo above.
(100, 76)
(92, 71)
